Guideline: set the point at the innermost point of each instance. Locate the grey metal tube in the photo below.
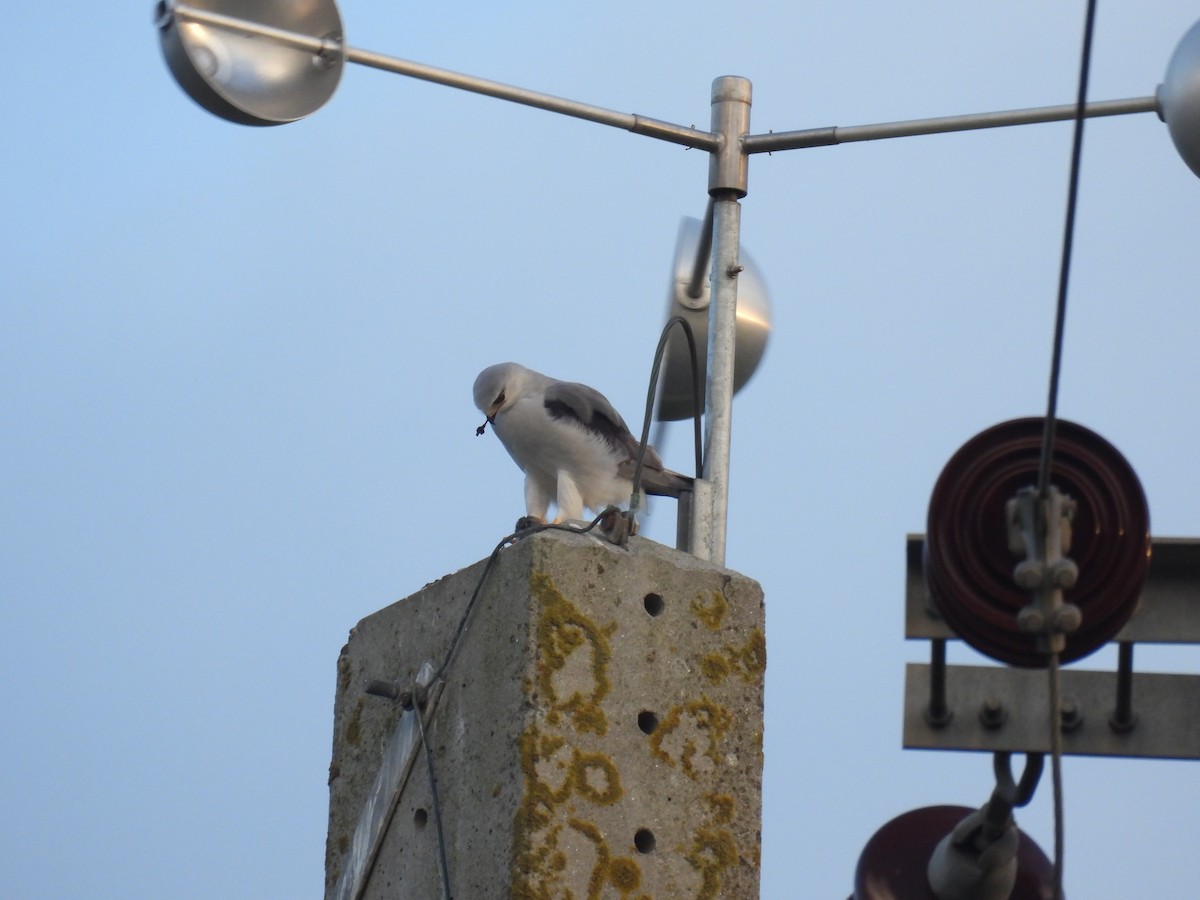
(676, 134)
(244, 26)
(666, 131)
(728, 166)
(722, 333)
(727, 181)
(825, 137)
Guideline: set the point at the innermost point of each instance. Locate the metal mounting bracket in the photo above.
(1122, 713)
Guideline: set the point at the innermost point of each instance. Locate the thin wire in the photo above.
(1056, 753)
(652, 392)
(1046, 461)
(460, 631)
(437, 805)
(1064, 271)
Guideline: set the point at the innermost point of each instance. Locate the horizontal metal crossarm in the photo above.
(826, 137)
(656, 128)
(1121, 713)
(995, 708)
(666, 131)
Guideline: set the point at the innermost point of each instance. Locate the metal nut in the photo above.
(992, 714)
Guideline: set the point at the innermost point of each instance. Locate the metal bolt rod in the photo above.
(316, 45)
(1123, 718)
(378, 688)
(825, 137)
(937, 714)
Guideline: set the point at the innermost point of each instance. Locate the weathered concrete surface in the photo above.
(599, 735)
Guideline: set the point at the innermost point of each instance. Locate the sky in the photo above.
(236, 369)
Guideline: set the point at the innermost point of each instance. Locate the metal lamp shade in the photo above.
(252, 79)
(1179, 98)
(675, 399)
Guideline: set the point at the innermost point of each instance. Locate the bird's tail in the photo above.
(657, 480)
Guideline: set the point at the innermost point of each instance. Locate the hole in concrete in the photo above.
(647, 721)
(644, 840)
(654, 604)
(420, 817)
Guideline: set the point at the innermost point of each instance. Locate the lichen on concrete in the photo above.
(713, 850)
(354, 726)
(562, 779)
(748, 660)
(711, 610)
(574, 654)
(690, 735)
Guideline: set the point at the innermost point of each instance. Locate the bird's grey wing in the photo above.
(591, 409)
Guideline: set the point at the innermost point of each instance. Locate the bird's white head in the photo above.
(497, 388)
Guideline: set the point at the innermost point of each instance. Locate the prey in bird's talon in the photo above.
(526, 522)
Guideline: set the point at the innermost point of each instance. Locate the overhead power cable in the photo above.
(1046, 461)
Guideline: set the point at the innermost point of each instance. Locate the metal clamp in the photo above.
(618, 526)
(1039, 528)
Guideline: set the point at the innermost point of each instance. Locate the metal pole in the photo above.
(727, 183)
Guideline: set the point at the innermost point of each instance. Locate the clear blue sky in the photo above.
(236, 368)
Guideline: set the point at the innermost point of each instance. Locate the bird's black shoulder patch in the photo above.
(598, 423)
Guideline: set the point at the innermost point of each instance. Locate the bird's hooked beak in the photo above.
(490, 412)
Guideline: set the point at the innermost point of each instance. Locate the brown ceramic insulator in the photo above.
(894, 861)
(968, 564)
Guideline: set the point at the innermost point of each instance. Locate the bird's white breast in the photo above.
(542, 446)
